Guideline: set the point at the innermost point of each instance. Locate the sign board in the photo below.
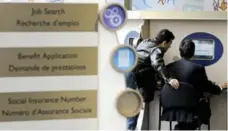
(48, 53)
(208, 48)
(24, 106)
(176, 5)
(49, 61)
(48, 17)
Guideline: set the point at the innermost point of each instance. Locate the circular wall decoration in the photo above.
(124, 58)
(129, 103)
(131, 34)
(113, 16)
(209, 48)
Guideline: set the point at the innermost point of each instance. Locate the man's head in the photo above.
(164, 38)
(187, 49)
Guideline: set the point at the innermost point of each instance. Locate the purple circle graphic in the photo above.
(114, 16)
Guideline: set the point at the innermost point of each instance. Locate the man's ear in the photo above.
(163, 43)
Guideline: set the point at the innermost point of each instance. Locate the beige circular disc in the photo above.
(129, 103)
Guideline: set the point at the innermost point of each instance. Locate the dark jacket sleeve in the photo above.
(207, 85)
(158, 64)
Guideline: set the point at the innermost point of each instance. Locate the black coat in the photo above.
(150, 64)
(151, 57)
(186, 71)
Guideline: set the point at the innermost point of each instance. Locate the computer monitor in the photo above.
(135, 41)
(204, 49)
(131, 40)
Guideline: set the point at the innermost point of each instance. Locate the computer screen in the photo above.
(204, 49)
(131, 41)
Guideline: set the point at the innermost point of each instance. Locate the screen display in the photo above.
(131, 40)
(204, 49)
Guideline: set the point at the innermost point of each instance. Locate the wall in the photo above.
(110, 82)
(216, 72)
(177, 5)
(131, 25)
(218, 28)
(54, 83)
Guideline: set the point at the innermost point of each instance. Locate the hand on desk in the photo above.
(223, 86)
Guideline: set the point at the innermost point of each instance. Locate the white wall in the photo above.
(215, 72)
(110, 82)
(131, 25)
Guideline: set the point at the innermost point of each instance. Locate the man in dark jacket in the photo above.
(150, 54)
(186, 71)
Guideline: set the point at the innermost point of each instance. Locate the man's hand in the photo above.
(224, 85)
(174, 83)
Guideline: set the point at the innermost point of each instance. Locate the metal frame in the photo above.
(127, 4)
